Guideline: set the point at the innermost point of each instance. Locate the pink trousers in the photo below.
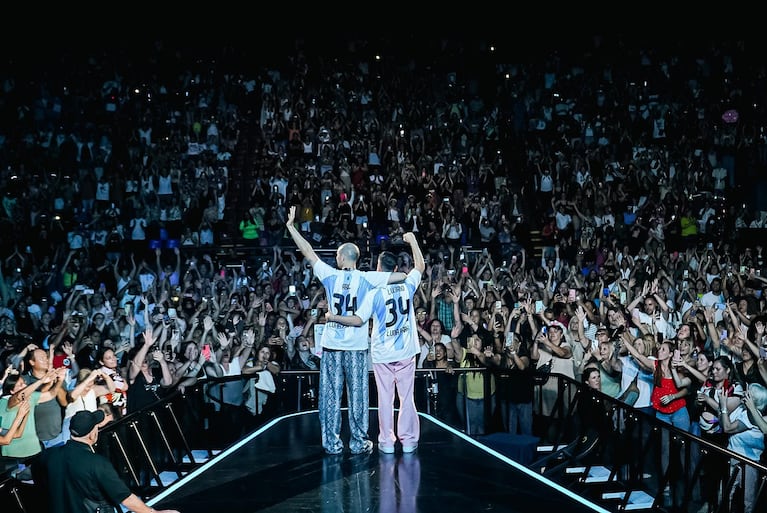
(400, 377)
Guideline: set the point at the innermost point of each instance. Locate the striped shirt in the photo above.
(395, 336)
(345, 290)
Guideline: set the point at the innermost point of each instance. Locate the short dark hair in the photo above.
(387, 261)
(10, 382)
(587, 372)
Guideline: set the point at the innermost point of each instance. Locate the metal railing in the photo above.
(154, 447)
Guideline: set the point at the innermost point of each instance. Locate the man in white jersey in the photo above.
(393, 349)
(344, 348)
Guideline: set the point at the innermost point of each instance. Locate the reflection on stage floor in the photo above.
(281, 467)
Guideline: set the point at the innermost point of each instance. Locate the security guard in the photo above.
(79, 480)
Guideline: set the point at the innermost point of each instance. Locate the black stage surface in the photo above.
(281, 467)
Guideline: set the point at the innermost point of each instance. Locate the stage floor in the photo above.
(282, 468)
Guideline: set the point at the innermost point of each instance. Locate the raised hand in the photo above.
(24, 407)
(759, 325)
(291, 216)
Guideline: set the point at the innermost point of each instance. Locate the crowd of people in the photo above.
(574, 210)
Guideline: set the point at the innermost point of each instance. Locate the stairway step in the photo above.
(637, 499)
(549, 448)
(167, 478)
(598, 474)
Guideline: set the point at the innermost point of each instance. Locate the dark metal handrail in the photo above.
(162, 438)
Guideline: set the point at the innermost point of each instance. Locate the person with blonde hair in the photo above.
(90, 386)
(637, 382)
(746, 427)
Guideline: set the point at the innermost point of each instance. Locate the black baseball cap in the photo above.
(84, 421)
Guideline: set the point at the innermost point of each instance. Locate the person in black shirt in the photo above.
(515, 385)
(148, 374)
(442, 386)
(79, 480)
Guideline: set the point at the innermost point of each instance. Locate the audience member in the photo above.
(657, 236)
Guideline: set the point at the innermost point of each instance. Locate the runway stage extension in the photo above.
(282, 468)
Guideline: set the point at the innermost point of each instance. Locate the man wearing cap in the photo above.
(79, 480)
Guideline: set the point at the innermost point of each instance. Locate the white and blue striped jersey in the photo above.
(394, 336)
(345, 290)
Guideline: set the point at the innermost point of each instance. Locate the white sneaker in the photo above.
(409, 448)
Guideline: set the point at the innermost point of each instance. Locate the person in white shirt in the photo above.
(746, 426)
(344, 348)
(714, 297)
(393, 346)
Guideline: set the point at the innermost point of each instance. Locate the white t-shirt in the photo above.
(630, 370)
(563, 220)
(138, 226)
(345, 290)
(394, 336)
(547, 183)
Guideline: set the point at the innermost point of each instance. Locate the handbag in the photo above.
(631, 394)
(542, 373)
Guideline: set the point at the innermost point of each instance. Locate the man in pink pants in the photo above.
(393, 349)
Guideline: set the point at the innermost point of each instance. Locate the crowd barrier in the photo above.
(158, 445)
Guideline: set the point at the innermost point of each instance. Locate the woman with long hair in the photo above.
(637, 382)
(433, 334)
(667, 398)
(91, 386)
(692, 377)
(117, 398)
(746, 437)
(721, 382)
(442, 385)
(516, 384)
(470, 394)
(551, 345)
(720, 389)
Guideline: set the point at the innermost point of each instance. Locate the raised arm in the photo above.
(455, 342)
(18, 424)
(756, 416)
(26, 392)
(303, 245)
(108, 387)
(138, 359)
(418, 260)
(644, 361)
